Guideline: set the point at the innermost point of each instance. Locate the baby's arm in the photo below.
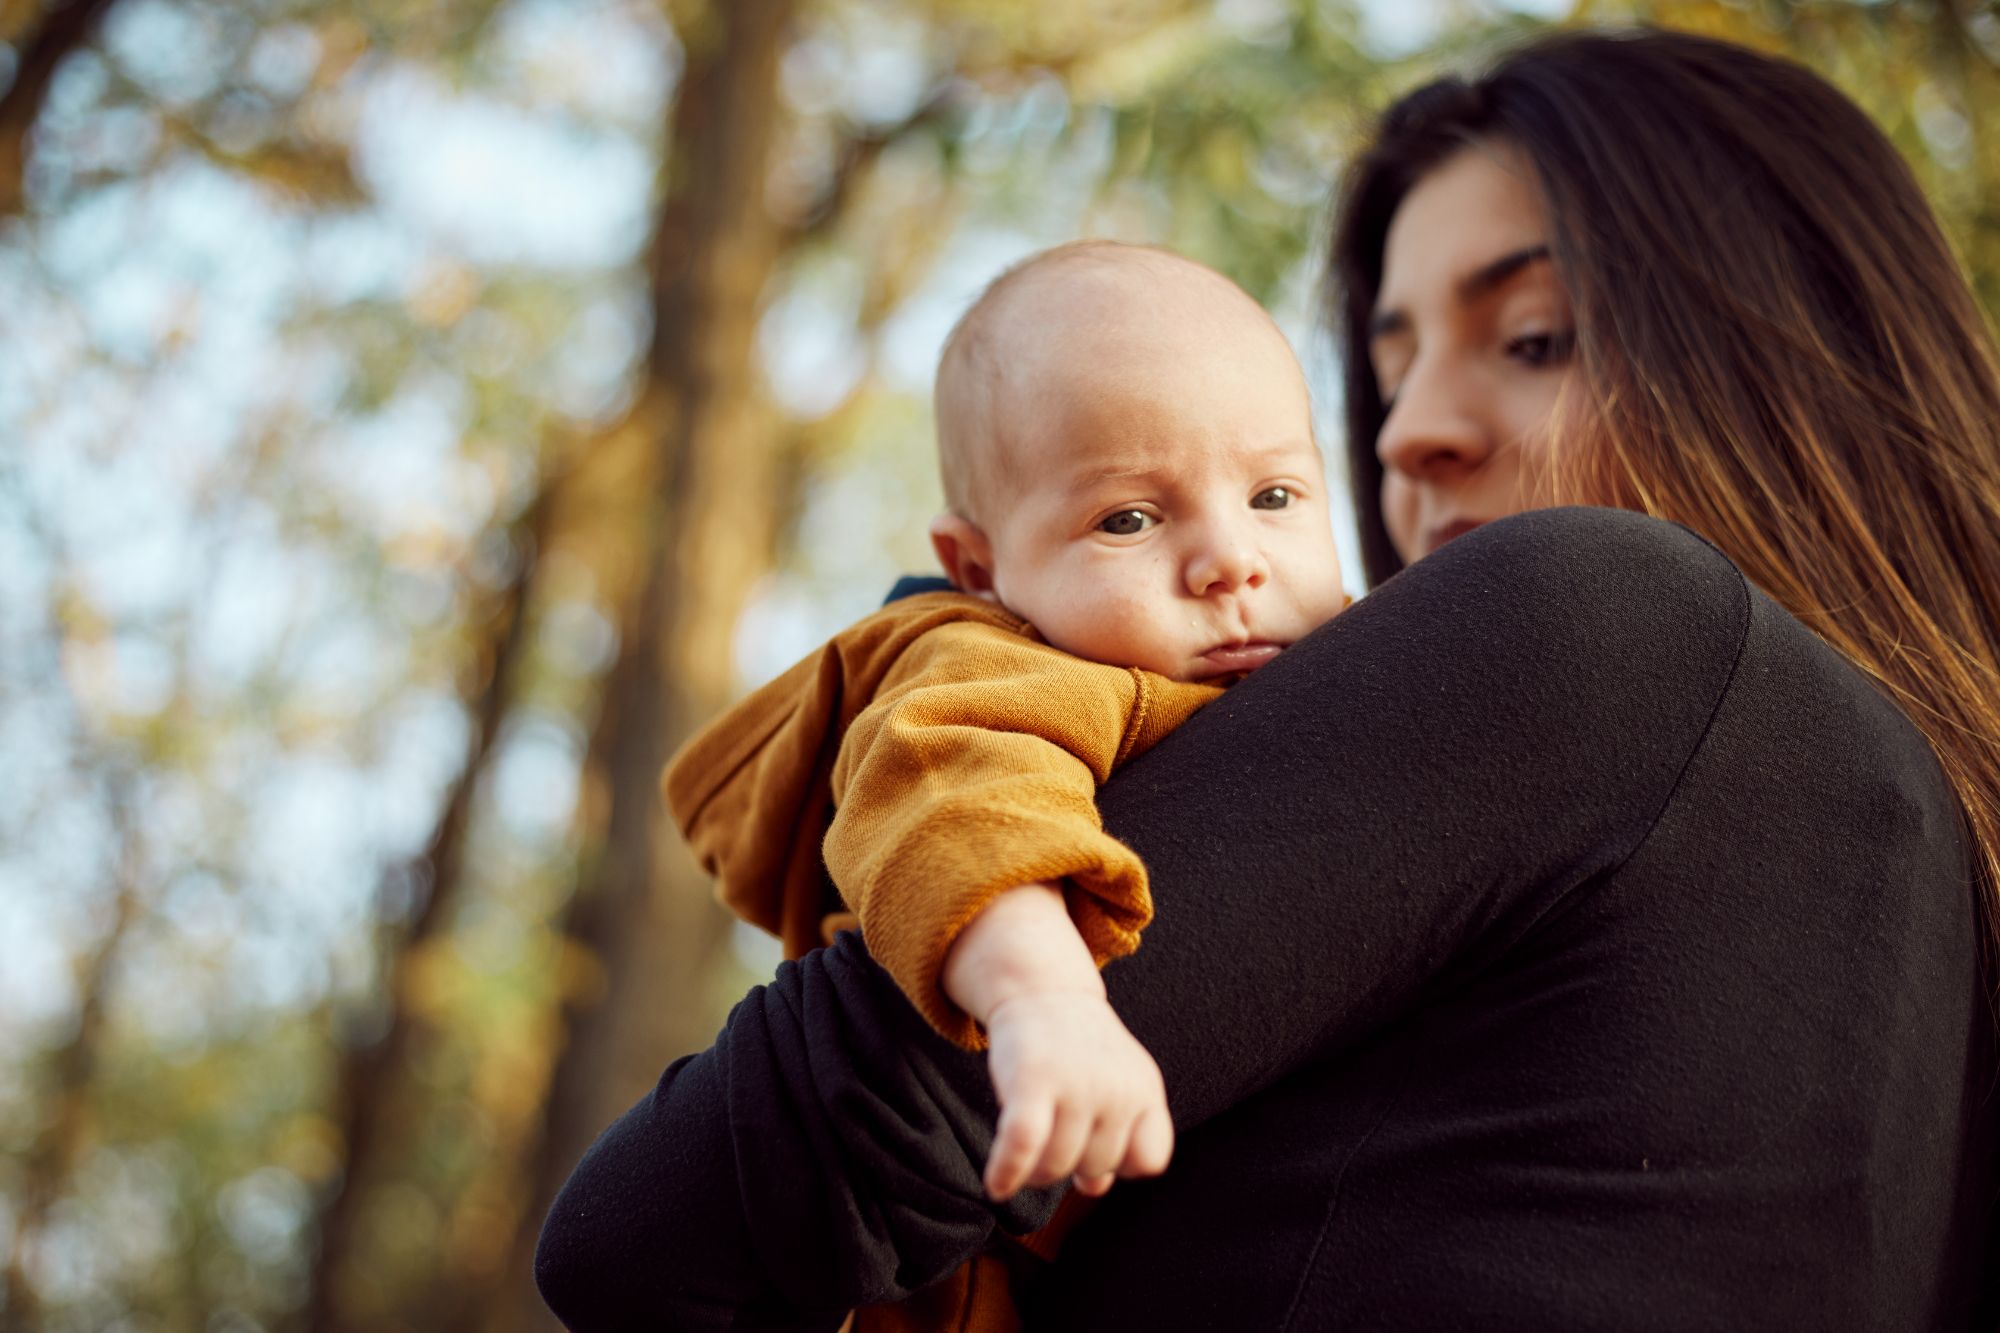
(1079, 1096)
(971, 772)
(966, 839)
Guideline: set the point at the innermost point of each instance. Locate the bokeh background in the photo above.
(416, 415)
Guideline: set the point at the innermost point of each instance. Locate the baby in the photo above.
(1136, 518)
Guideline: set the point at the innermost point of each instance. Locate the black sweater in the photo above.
(1562, 938)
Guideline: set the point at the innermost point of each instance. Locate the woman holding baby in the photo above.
(1585, 930)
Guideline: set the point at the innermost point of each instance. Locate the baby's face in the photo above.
(1168, 508)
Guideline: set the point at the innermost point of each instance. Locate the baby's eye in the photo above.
(1127, 522)
(1276, 497)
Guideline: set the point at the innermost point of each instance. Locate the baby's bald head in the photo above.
(1086, 309)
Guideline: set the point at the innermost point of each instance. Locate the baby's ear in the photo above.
(964, 552)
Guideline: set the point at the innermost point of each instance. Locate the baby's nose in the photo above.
(1225, 566)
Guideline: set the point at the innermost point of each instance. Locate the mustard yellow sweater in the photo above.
(937, 753)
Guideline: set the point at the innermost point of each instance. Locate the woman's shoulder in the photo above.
(1577, 631)
(1652, 599)
(1585, 563)
(1561, 616)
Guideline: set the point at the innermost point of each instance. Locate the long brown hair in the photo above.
(1776, 347)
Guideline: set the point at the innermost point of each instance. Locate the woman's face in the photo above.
(1471, 341)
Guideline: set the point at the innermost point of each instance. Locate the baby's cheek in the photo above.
(1312, 576)
(1327, 599)
(1126, 630)
(1163, 634)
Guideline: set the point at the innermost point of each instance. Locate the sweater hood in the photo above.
(752, 793)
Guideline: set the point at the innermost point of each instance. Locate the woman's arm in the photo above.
(825, 1153)
(1386, 806)
(1392, 805)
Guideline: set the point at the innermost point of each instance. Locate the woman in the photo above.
(1585, 930)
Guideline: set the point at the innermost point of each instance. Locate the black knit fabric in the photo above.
(1563, 938)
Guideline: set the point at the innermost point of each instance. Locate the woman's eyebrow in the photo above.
(1480, 282)
(1487, 277)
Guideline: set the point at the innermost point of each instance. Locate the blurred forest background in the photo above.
(415, 416)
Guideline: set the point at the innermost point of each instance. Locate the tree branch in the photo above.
(67, 27)
(51, 1160)
(858, 155)
(370, 1075)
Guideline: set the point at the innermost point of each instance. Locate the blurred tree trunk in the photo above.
(643, 917)
(51, 1159)
(370, 1097)
(65, 26)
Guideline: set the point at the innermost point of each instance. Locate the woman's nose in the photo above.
(1225, 560)
(1431, 431)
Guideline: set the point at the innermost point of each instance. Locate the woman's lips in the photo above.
(1445, 532)
(1238, 657)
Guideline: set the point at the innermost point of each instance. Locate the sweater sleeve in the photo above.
(974, 771)
(1387, 807)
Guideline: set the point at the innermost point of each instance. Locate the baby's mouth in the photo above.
(1237, 657)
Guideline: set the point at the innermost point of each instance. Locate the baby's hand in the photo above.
(1079, 1096)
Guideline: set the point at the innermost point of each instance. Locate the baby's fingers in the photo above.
(1095, 1187)
(1067, 1141)
(1018, 1144)
(1152, 1145)
(1107, 1148)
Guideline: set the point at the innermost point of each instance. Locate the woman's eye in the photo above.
(1276, 497)
(1543, 349)
(1127, 522)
